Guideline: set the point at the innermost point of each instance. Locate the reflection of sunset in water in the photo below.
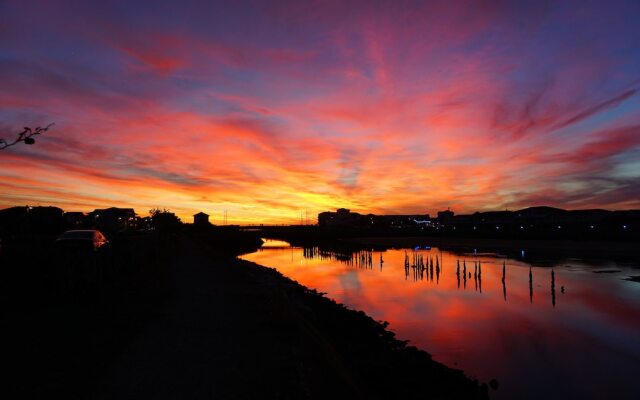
(584, 345)
(274, 244)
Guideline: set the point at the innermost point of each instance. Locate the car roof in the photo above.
(79, 233)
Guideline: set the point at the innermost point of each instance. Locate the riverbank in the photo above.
(376, 362)
(234, 329)
(215, 326)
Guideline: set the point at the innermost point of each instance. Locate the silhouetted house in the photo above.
(37, 220)
(201, 219)
(444, 216)
(45, 220)
(74, 219)
(144, 223)
(14, 220)
(113, 219)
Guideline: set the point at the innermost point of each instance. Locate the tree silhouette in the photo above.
(25, 136)
(164, 220)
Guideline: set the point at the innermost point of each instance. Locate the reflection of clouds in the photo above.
(270, 243)
(593, 329)
(351, 287)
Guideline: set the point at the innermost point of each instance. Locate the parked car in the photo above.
(86, 239)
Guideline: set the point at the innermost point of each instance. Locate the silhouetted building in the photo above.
(46, 219)
(446, 215)
(345, 218)
(402, 221)
(342, 217)
(74, 219)
(113, 219)
(144, 223)
(13, 220)
(43, 220)
(201, 219)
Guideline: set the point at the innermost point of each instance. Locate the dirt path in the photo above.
(222, 335)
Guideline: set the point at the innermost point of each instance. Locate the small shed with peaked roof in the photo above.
(201, 219)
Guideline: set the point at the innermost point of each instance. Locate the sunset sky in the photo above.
(270, 108)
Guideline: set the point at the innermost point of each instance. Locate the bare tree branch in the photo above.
(25, 136)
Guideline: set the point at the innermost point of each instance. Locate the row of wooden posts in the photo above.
(420, 267)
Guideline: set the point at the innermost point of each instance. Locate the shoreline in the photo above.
(195, 321)
(379, 359)
(184, 303)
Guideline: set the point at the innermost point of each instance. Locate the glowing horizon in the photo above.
(271, 110)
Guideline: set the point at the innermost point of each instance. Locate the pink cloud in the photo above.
(319, 105)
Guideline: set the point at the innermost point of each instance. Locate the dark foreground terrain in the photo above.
(183, 318)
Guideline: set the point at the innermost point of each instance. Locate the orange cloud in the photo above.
(312, 107)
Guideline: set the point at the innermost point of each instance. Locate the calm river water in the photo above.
(563, 330)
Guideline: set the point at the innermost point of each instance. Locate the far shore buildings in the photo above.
(541, 221)
(201, 219)
(345, 218)
(113, 219)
